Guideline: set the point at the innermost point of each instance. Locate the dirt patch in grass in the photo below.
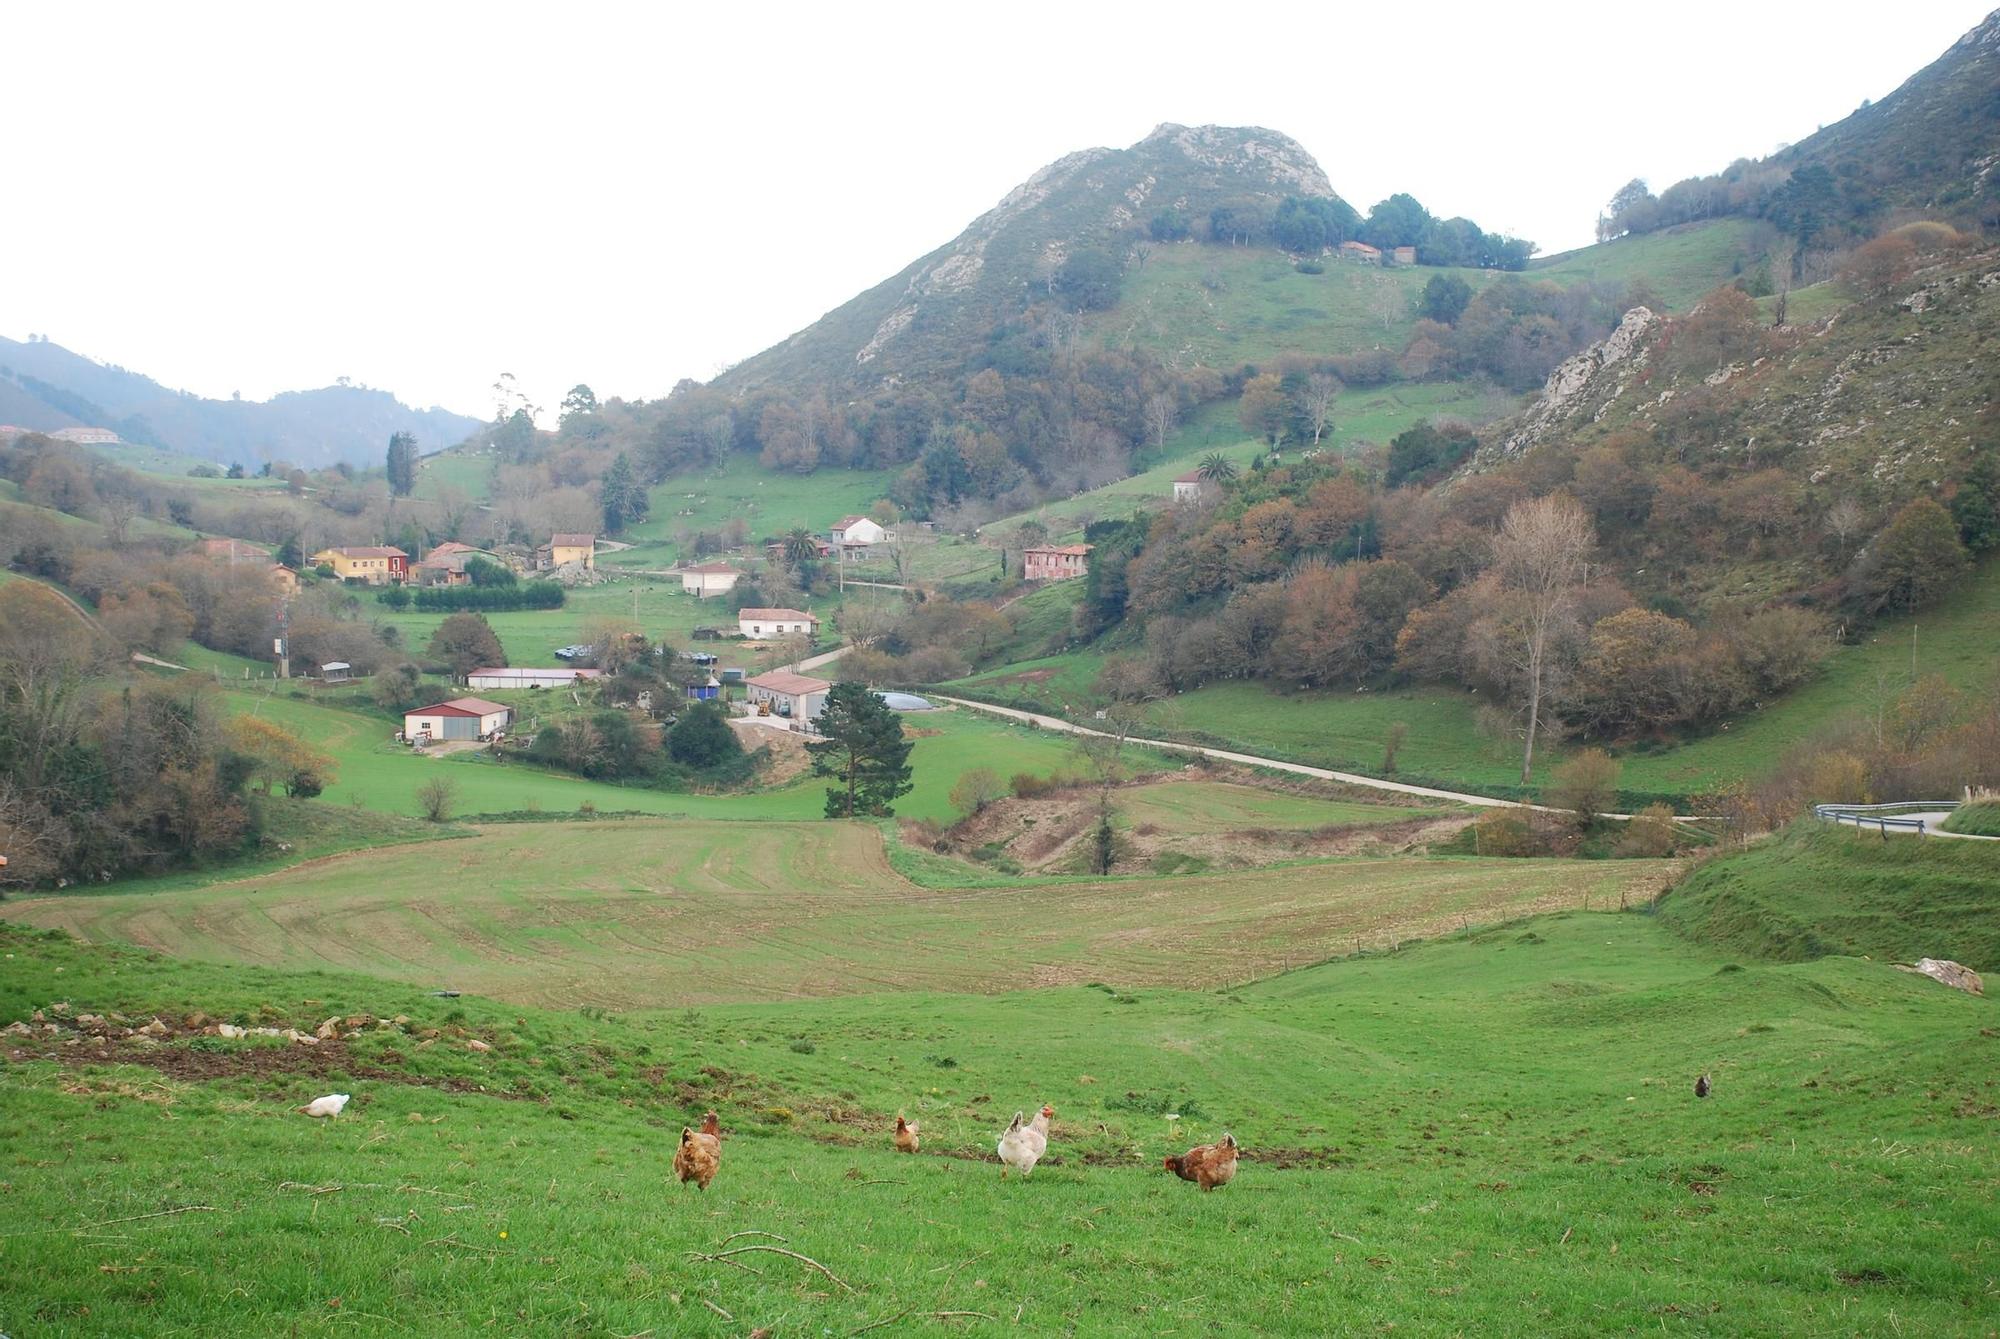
(788, 759)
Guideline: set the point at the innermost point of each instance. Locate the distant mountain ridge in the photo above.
(921, 318)
(45, 386)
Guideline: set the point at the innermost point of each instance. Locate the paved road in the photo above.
(1932, 827)
(1249, 759)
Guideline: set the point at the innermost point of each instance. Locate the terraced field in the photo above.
(652, 914)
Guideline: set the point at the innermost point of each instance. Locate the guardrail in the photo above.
(1881, 817)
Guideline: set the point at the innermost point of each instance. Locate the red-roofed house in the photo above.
(376, 564)
(852, 530)
(1360, 251)
(562, 550)
(797, 696)
(1188, 486)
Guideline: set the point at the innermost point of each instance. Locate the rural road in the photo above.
(1932, 820)
(1248, 759)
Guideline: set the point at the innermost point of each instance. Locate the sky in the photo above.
(255, 198)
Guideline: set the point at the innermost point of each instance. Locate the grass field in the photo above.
(1493, 1134)
(379, 775)
(1980, 820)
(650, 915)
(1679, 264)
(1198, 807)
(770, 502)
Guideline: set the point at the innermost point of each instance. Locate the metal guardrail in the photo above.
(1880, 817)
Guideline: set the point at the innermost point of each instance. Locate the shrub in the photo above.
(1650, 833)
(436, 797)
(1505, 830)
(487, 599)
(1586, 785)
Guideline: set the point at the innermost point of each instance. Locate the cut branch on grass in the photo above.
(113, 1222)
(755, 1232)
(722, 1257)
(716, 1309)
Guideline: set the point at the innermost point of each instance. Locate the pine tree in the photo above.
(861, 746)
(623, 497)
(1976, 505)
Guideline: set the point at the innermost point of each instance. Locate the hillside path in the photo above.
(1248, 759)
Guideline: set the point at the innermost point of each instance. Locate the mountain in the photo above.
(1933, 144)
(923, 319)
(45, 386)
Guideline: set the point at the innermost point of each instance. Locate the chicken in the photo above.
(700, 1154)
(325, 1107)
(1702, 1086)
(1207, 1165)
(906, 1135)
(1022, 1146)
(1040, 1124)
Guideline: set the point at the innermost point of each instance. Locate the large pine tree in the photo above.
(402, 464)
(862, 747)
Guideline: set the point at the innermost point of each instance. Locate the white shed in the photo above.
(767, 623)
(508, 677)
(460, 718)
(797, 696)
(709, 579)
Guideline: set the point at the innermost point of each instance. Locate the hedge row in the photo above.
(481, 599)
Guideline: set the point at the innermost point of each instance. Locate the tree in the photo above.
(436, 798)
(1540, 555)
(1444, 299)
(580, 403)
(1587, 786)
(1089, 279)
(1315, 401)
(1263, 409)
(1161, 410)
(1216, 468)
(402, 463)
(976, 789)
(464, 643)
(279, 757)
(622, 496)
(1976, 505)
(800, 547)
(862, 746)
(1917, 557)
(702, 739)
(399, 687)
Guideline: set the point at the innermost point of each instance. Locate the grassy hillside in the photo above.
(770, 503)
(1814, 891)
(1489, 1135)
(1678, 264)
(646, 915)
(1345, 731)
(1978, 820)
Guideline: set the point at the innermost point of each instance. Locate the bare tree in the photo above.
(1315, 401)
(1161, 411)
(1540, 553)
(1141, 253)
(436, 798)
(1844, 520)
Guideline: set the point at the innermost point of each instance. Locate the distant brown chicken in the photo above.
(906, 1136)
(700, 1155)
(1207, 1165)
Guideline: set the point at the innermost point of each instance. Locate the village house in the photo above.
(1404, 255)
(798, 697)
(445, 565)
(849, 531)
(460, 718)
(709, 579)
(86, 436)
(1187, 487)
(1360, 251)
(1055, 562)
(285, 579)
(378, 565)
(522, 677)
(764, 624)
(562, 550)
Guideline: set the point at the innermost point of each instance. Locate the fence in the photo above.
(1882, 817)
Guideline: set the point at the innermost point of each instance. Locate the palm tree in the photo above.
(1216, 468)
(800, 547)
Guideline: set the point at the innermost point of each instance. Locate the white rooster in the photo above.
(1022, 1146)
(325, 1107)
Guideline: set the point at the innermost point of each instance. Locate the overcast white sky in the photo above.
(265, 197)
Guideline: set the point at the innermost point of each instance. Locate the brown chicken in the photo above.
(1207, 1165)
(906, 1135)
(700, 1155)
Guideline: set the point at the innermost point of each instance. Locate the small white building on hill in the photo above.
(797, 696)
(460, 718)
(522, 677)
(764, 624)
(709, 579)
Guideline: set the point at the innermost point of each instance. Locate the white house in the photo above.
(529, 678)
(764, 624)
(857, 530)
(1187, 487)
(797, 696)
(460, 718)
(709, 579)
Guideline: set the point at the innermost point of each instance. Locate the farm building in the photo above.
(709, 579)
(1360, 251)
(1187, 486)
(852, 530)
(562, 677)
(705, 692)
(445, 564)
(460, 718)
(798, 696)
(336, 671)
(1055, 562)
(763, 623)
(1404, 255)
(376, 564)
(562, 550)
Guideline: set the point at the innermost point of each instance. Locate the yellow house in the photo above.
(375, 564)
(562, 550)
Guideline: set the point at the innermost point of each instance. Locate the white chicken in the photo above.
(1022, 1146)
(325, 1107)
